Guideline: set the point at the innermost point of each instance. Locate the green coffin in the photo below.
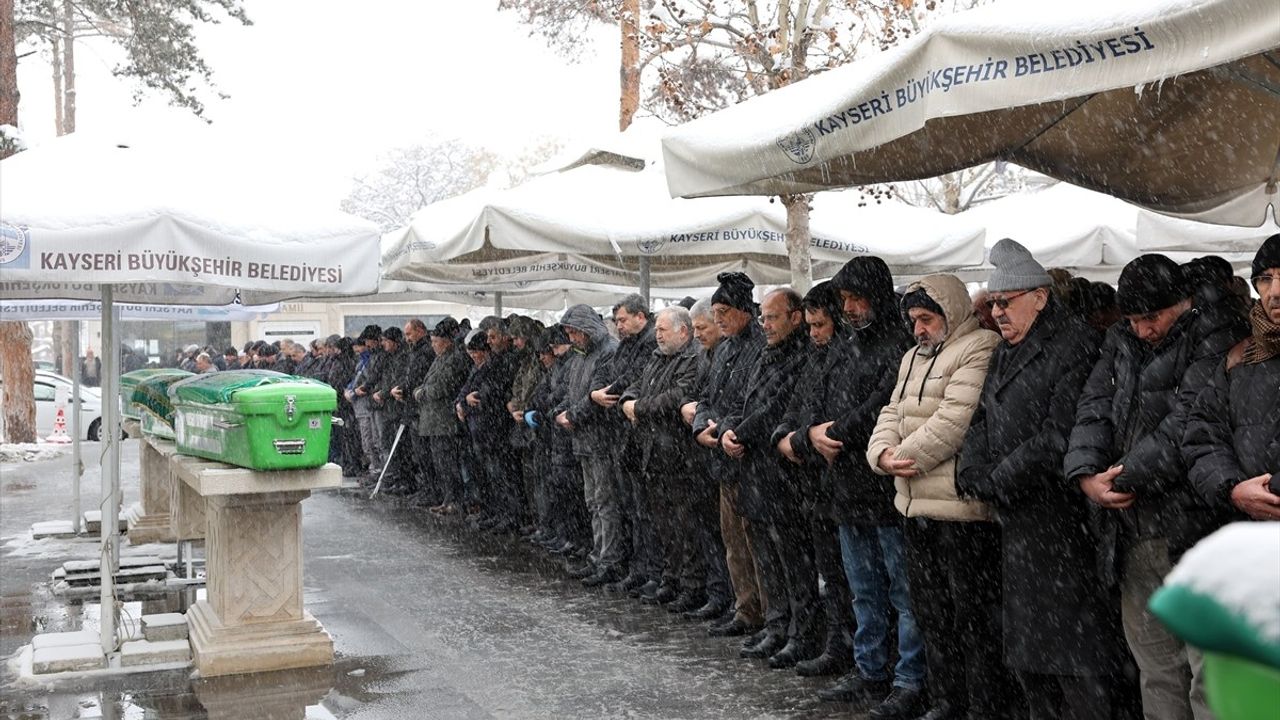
(257, 419)
(150, 401)
(129, 382)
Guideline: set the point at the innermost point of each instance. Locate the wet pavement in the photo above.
(429, 620)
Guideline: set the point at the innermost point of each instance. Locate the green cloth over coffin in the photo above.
(129, 382)
(150, 400)
(257, 419)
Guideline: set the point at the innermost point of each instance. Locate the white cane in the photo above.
(394, 444)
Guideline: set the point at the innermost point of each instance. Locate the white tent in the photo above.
(89, 310)
(1170, 104)
(1094, 235)
(83, 218)
(593, 224)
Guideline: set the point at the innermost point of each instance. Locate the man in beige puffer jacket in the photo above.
(953, 545)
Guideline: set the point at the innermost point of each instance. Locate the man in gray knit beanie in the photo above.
(1018, 289)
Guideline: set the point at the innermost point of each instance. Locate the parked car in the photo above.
(46, 393)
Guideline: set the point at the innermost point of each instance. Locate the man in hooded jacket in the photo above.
(872, 546)
(953, 547)
(592, 440)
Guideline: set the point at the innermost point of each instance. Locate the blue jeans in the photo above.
(875, 566)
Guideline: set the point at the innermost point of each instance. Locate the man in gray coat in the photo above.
(437, 423)
(592, 441)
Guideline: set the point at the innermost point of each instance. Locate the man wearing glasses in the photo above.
(1056, 622)
(1232, 442)
(1125, 454)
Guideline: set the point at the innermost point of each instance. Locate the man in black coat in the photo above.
(418, 448)
(569, 520)
(871, 536)
(742, 340)
(1125, 454)
(767, 495)
(636, 345)
(389, 413)
(1232, 440)
(652, 405)
(829, 341)
(1058, 629)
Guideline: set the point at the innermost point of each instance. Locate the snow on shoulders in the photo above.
(1239, 566)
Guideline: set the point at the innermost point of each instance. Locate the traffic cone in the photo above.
(59, 429)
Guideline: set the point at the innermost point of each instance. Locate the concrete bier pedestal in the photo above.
(151, 520)
(253, 619)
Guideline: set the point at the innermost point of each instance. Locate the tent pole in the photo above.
(645, 264)
(110, 527)
(77, 432)
(497, 304)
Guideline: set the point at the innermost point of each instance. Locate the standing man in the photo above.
(437, 421)
(953, 547)
(578, 414)
(742, 340)
(705, 491)
(872, 546)
(1232, 446)
(768, 494)
(417, 465)
(652, 405)
(388, 413)
(1125, 455)
(1057, 628)
(368, 350)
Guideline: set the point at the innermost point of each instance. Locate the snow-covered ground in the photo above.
(31, 452)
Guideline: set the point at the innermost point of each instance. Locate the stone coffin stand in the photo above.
(253, 619)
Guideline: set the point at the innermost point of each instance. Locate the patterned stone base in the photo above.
(145, 528)
(221, 650)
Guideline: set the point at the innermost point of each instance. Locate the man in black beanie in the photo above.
(734, 311)
(1124, 453)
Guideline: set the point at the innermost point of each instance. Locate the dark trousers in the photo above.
(648, 551)
(447, 457)
(953, 569)
(704, 518)
(676, 533)
(837, 601)
(567, 511)
(1065, 697)
(789, 575)
(504, 483)
(423, 467)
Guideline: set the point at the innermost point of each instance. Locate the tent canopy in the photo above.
(593, 223)
(1170, 104)
(168, 226)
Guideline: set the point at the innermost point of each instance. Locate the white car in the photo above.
(46, 393)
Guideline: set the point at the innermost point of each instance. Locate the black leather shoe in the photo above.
(663, 595)
(686, 601)
(584, 571)
(733, 628)
(710, 611)
(648, 588)
(791, 654)
(902, 704)
(828, 663)
(772, 643)
(855, 688)
(942, 710)
(756, 638)
(628, 583)
(603, 576)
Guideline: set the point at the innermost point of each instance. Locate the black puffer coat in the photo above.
(1233, 433)
(723, 389)
(1133, 413)
(766, 481)
(1055, 610)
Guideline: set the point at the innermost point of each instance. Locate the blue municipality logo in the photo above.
(799, 145)
(15, 247)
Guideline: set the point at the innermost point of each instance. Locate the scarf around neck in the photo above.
(1266, 337)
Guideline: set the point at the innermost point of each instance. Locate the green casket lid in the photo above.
(248, 386)
(152, 392)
